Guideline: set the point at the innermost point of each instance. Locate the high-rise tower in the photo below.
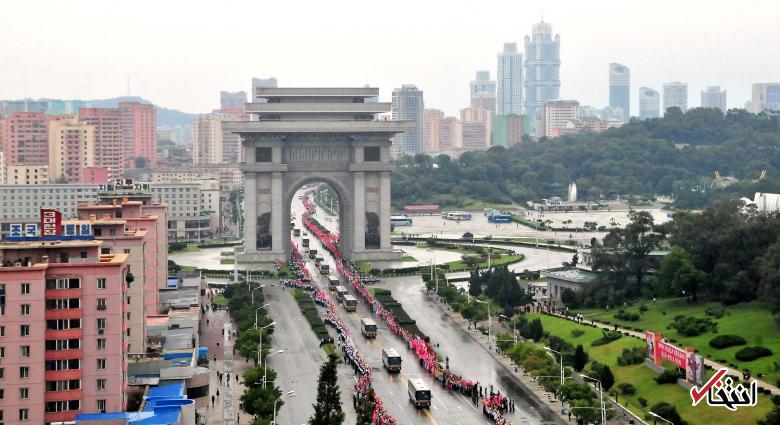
(649, 103)
(619, 89)
(542, 67)
(510, 81)
(408, 105)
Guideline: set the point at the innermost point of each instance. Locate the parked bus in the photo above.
(296, 232)
(333, 283)
(312, 253)
(391, 360)
(500, 218)
(400, 220)
(324, 269)
(340, 292)
(419, 393)
(350, 302)
(456, 215)
(368, 327)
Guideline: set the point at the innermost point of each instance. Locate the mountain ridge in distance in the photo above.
(165, 116)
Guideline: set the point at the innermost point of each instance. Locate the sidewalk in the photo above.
(715, 365)
(528, 382)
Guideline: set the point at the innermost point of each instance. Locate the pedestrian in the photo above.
(236, 377)
(212, 400)
(207, 322)
(217, 392)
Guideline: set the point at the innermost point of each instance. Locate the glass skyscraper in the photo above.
(619, 87)
(542, 67)
(510, 81)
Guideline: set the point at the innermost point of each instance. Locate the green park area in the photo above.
(750, 321)
(634, 383)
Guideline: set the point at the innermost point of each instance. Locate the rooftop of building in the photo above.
(279, 92)
(569, 274)
(50, 244)
(162, 406)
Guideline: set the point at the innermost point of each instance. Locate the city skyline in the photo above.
(183, 78)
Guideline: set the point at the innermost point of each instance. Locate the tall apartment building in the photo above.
(507, 130)
(432, 119)
(207, 139)
(109, 147)
(483, 92)
(765, 97)
(542, 68)
(649, 103)
(408, 104)
(71, 148)
(265, 83)
(620, 89)
(713, 97)
(26, 174)
(441, 133)
(510, 81)
(139, 123)
(558, 114)
(676, 95)
(63, 324)
(8, 107)
(476, 128)
(232, 151)
(25, 138)
(232, 100)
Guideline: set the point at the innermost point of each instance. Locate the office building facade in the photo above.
(509, 97)
(231, 100)
(542, 68)
(765, 97)
(649, 103)
(714, 97)
(676, 96)
(408, 104)
(620, 89)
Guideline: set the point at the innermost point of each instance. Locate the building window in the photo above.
(101, 283)
(24, 393)
(101, 344)
(371, 154)
(2, 372)
(101, 324)
(24, 372)
(101, 303)
(24, 351)
(24, 414)
(262, 154)
(101, 364)
(25, 309)
(2, 330)
(25, 288)
(101, 384)
(24, 330)
(101, 405)
(2, 352)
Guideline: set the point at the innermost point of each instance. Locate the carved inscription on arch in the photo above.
(316, 154)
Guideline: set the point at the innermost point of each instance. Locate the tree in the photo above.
(678, 274)
(606, 377)
(769, 273)
(256, 400)
(327, 410)
(535, 330)
(580, 358)
(475, 284)
(365, 408)
(141, 162)
(668, 412)
(468, 236)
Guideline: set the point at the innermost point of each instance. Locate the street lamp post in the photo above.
(657, 416)
(561, 357)
(258, 309)
(260, 347)
(601, 399)
(265, 368)
(253, 293)
(249, 273)
(514, 331)
(490, 322)
(288, 395)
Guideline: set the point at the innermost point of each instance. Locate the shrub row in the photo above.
(725, 341)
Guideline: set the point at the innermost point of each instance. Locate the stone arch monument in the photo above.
(303, 135)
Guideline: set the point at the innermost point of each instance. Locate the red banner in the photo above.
(421, 207)
(674, 354)
(50, 222)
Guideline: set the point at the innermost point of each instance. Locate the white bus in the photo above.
(391, 360)
(340, 292)
(456, 215)
(400, 220)
(368, 327)
(419, 393)
(350, 302)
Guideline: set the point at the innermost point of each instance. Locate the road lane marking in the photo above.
(469, 402)
(440, 402)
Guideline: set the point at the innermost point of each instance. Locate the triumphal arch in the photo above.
(303, 135)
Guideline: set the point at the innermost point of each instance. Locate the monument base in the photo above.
(377, 254)
(261, 256)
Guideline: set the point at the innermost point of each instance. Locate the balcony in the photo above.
(62, 395)
(62, 354)
(70, 313)
(64, 334)
(60, 416)
(62, 375)
(52, 294)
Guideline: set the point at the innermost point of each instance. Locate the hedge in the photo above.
(751, 353)
(725, 341)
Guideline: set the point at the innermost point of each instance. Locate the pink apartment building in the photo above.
(139, 135)
(109, 147)
(25, 139)
(63, 330)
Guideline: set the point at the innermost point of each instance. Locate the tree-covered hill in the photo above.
(642, 157)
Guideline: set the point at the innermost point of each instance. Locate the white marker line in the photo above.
(437, 398)
(469, 403)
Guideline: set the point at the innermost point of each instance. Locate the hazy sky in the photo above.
(180, 54)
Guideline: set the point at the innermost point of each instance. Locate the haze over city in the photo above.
(181, 54)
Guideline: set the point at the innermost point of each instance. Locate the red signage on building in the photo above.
(50, 222)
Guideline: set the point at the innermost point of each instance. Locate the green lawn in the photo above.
(641, 377)
(188, 248)
(220, 300)
(751, 321)
(227, 261)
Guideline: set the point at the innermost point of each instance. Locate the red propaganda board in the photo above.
(676, 355)
(421, 207)
(50, 222)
